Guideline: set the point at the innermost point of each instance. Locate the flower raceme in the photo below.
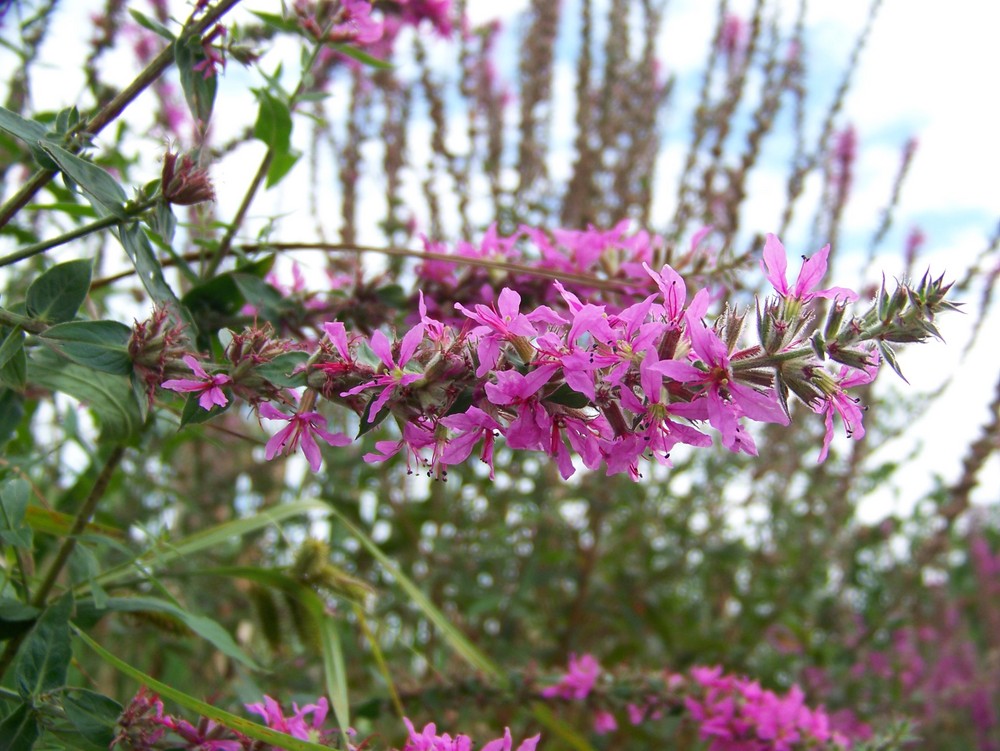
(588, 384)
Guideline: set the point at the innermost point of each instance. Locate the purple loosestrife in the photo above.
(297, 725)
(837, 400)
(302, 429)
(209, 385)
(775, 266)
(394, 376)
(429, 740)
(576, 685)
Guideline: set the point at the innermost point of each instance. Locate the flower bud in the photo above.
(183, 183)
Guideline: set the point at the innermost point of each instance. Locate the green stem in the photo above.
(764, 361)
(110, 112)
(227, 240)
(103, 223)
(13, 320)
(66, 549)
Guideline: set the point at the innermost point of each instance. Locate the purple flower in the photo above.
(505, 322)
(302, 428)
(296, 725)
(472, 425)
(395, 375)
(210, 386)
(775, 265)
(604, 722)
(578, 681)
(840, 402)
(726, 399)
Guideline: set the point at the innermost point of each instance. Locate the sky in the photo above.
(927, 72)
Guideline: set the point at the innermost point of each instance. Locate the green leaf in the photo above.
(11, 414)
(108, 396)
(194, 414)
(455, 638)
(20, 729)
(12, 344)
(93, 715)
(281, 165)
(14, 496)
(16, 617)
(27, 130)
(278, 22)
(45, 655)
(14, 372)
(84, 567)
(201, 625)
(369, 425)
(220, 294)
(274, 122)
(101, 345)
(103, 191)
(199, 91)
(209, 538)
(153, 25)
(149, 270)
(59, 292)
(569, 397)
(280, 370)
(362, 57)
(239, 724)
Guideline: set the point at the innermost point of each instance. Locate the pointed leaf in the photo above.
(11, 413)
(27, 130)
(13, 503)
(12, 344)
(14, 372)
(149, 270)
(20, 729)
(274, 122)
(93, 715)
(210, 538)
(108, 396)
(102, 190)
(101, 345)
(202, 625)
(199, 89)
(45, 655)
(153, 25)
(58, 293)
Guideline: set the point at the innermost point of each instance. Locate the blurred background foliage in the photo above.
(760, 565)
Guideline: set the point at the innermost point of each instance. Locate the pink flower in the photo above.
(296, 725)
(775, 264)
(578, 681)
(604, 722)
(358, 26)
(472, 425)
(726, 399)
(395, 375)
(210, 386)
(429, 740)
(841, 403)
(505, 322)
(302, 428)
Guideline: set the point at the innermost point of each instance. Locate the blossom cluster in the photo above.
(731, 713)
(736, 714)
(144, 726)
(591, 385)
